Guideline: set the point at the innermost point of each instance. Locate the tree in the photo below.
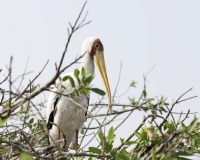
(158, 136)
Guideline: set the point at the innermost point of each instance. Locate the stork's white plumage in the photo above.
(68, 117)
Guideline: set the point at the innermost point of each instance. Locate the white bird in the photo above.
(68, 117)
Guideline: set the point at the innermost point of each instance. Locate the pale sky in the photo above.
(141, 34)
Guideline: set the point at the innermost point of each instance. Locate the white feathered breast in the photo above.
(70, 116)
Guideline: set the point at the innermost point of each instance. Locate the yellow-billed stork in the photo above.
(67, 116)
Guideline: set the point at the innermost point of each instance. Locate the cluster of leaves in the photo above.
(192, 136)
(169, 140)
(83, 80)
(106, 143)
(153, 105)
(29, 133)
(22, 130)
(173, 140)
(174, 143)
(177, 143)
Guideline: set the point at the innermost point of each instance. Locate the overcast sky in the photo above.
(140, 34)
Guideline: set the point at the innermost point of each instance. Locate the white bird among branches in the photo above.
(66, 115)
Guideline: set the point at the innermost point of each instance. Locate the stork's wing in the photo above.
(51, 107)
(55, 96)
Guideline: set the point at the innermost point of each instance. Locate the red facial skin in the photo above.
(97, 46)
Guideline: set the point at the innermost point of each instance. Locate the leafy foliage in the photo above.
(83, 80)
(26, 156)
(164, 141)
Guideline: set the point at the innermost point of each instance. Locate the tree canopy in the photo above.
(24, 134)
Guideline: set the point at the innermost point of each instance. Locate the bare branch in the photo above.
(6, 78)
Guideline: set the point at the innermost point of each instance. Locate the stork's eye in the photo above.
(96, 45)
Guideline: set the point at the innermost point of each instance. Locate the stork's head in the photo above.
(94, 47)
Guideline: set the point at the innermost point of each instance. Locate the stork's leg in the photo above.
(76, 142)
(58, 134)
(59, 137)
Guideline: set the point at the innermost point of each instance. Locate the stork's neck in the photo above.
(88, 63)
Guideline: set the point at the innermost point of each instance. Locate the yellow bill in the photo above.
(100, 63)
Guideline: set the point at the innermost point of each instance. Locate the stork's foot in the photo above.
(73, 146)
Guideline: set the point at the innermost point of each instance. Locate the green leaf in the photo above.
(28, 106)
(133, 83)
(3, 151)
(154, 155)
(122, 140)
(76, 93)
(183, 153)
(124, 155)
(138, 135)
(31, 121)
(1, 122)
(4, 120)
(83, 72)
(102, 139)
(193, 124)
(183, 127)
(130, 143)
(83, 80)
(108, 147)
(154, 112)
(95, 150)
(71, 80)
(114, 154)
(26, 156)
(63, 87)
(143, 135)
(88, 79)
(82, 131)
(132, 100)
(135, 157)
(170, 126)
(83, 75)
(7, 104)
(33, 89)
(163, 109)
(76, 74)
(144, 93)
(1, 139)
(111, 135)
(85, 90)
(98, 91)
(100, 134)
(23, 112)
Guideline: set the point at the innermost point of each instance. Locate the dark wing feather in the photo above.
(88, 98)
(53, 112)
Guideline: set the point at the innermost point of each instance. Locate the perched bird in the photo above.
(65, 116)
